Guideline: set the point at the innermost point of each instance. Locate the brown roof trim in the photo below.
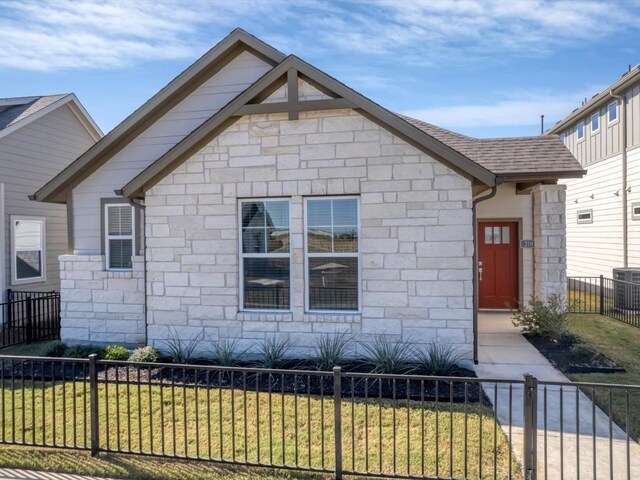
(175, 91)
(597, 100)
(550, 175)
(233, 110)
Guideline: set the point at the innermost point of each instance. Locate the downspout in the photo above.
(625, 219)
(142, 207)
(476, 301)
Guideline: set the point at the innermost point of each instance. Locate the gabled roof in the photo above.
(618, 87)
(17, 112)
(515, 157)
(344, 97)
(176, 90)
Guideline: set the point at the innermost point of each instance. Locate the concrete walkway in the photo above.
(17, 474)
(576, 445)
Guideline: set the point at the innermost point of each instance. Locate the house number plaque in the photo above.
(526, 243)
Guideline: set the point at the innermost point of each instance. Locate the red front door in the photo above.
(498, 264)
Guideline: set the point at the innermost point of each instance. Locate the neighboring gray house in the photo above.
(603, 208)
(39, 137)
(255, 195)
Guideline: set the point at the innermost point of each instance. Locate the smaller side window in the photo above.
(612, 112)
(585, 216)
(635, 211)
(28, 253)
(580, 130)
(595, 122)
(119, 231)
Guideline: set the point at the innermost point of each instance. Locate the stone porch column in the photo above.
(549, 235)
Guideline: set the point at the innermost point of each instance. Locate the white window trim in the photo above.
(43, 237)
(609, 121)
(262, 255)
(597, 114)
(635, 216)
(357, 255)
(585, 221)
(107, 237)
(578, 137)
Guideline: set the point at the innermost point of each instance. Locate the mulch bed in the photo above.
(570, 354)
(312, 383)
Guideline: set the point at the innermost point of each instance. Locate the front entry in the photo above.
(498, 264)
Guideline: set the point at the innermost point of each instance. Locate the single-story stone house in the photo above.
(255, 195)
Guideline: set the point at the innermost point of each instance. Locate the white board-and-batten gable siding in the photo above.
(156, 140)
(29, 157)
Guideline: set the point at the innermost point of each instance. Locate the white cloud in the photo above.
(524, 111)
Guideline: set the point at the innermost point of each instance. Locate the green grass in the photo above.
(222, 412)
(621, 343)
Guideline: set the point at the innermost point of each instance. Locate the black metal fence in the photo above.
(614, 298)
(29, 316)
(401, 426)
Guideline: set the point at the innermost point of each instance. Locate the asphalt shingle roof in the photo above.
(508, 156)
(13, 114)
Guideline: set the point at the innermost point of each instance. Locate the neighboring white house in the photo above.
(256, 195)
(603, 208)
(39, 137)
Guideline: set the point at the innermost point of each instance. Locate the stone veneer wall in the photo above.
(98, 306)
(415, 226)
(549, 235)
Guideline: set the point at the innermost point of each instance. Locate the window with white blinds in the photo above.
(27, 250)
(119, 235)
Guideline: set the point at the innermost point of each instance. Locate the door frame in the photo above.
(519, 222)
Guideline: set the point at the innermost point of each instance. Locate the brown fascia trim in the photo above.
(596, 101)
(233, 110)
(179, 88)
(542, 176)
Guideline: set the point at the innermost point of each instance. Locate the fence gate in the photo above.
(29, 316)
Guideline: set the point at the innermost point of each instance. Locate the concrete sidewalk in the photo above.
(17, 474)
(577, 439)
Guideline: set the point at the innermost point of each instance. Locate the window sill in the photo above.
(332, 317)
(255, 316)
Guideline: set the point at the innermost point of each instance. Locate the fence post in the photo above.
(337, 410)
(29, 324)
(9, 309)
(93, 404)
(530, 440)
(601, 294)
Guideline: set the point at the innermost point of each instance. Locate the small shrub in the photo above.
(273, 352)
(331, 349)
(438, 359)
(182, 351)
(548, 319)
(225, 352)
(144, 355)
(83, 351)
(116, 352)
(385, 356)
(56, 349)
(581, 353)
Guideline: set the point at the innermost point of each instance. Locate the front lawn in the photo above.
(621, 343)
(191, 422)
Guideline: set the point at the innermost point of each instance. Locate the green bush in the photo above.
(226, 352)
(581, 353)
(56, 349)
(83, 351)
(116, 352)
(182, 351)
(144, 355)
(331, 349)
(438, 359)
(385, 356)
(273, 352)
(545, 318)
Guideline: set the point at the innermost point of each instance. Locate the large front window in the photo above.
(266, 255)
(332, 254)
(27, 250)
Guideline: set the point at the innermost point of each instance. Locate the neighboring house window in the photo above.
(119, 235)
(580, 129)
(266, 255)
(28, 250)
(332, 264)
(595, 122)
(612, 112)
(585, 216)
(635, 211)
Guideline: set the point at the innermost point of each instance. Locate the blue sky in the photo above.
(480, 67)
